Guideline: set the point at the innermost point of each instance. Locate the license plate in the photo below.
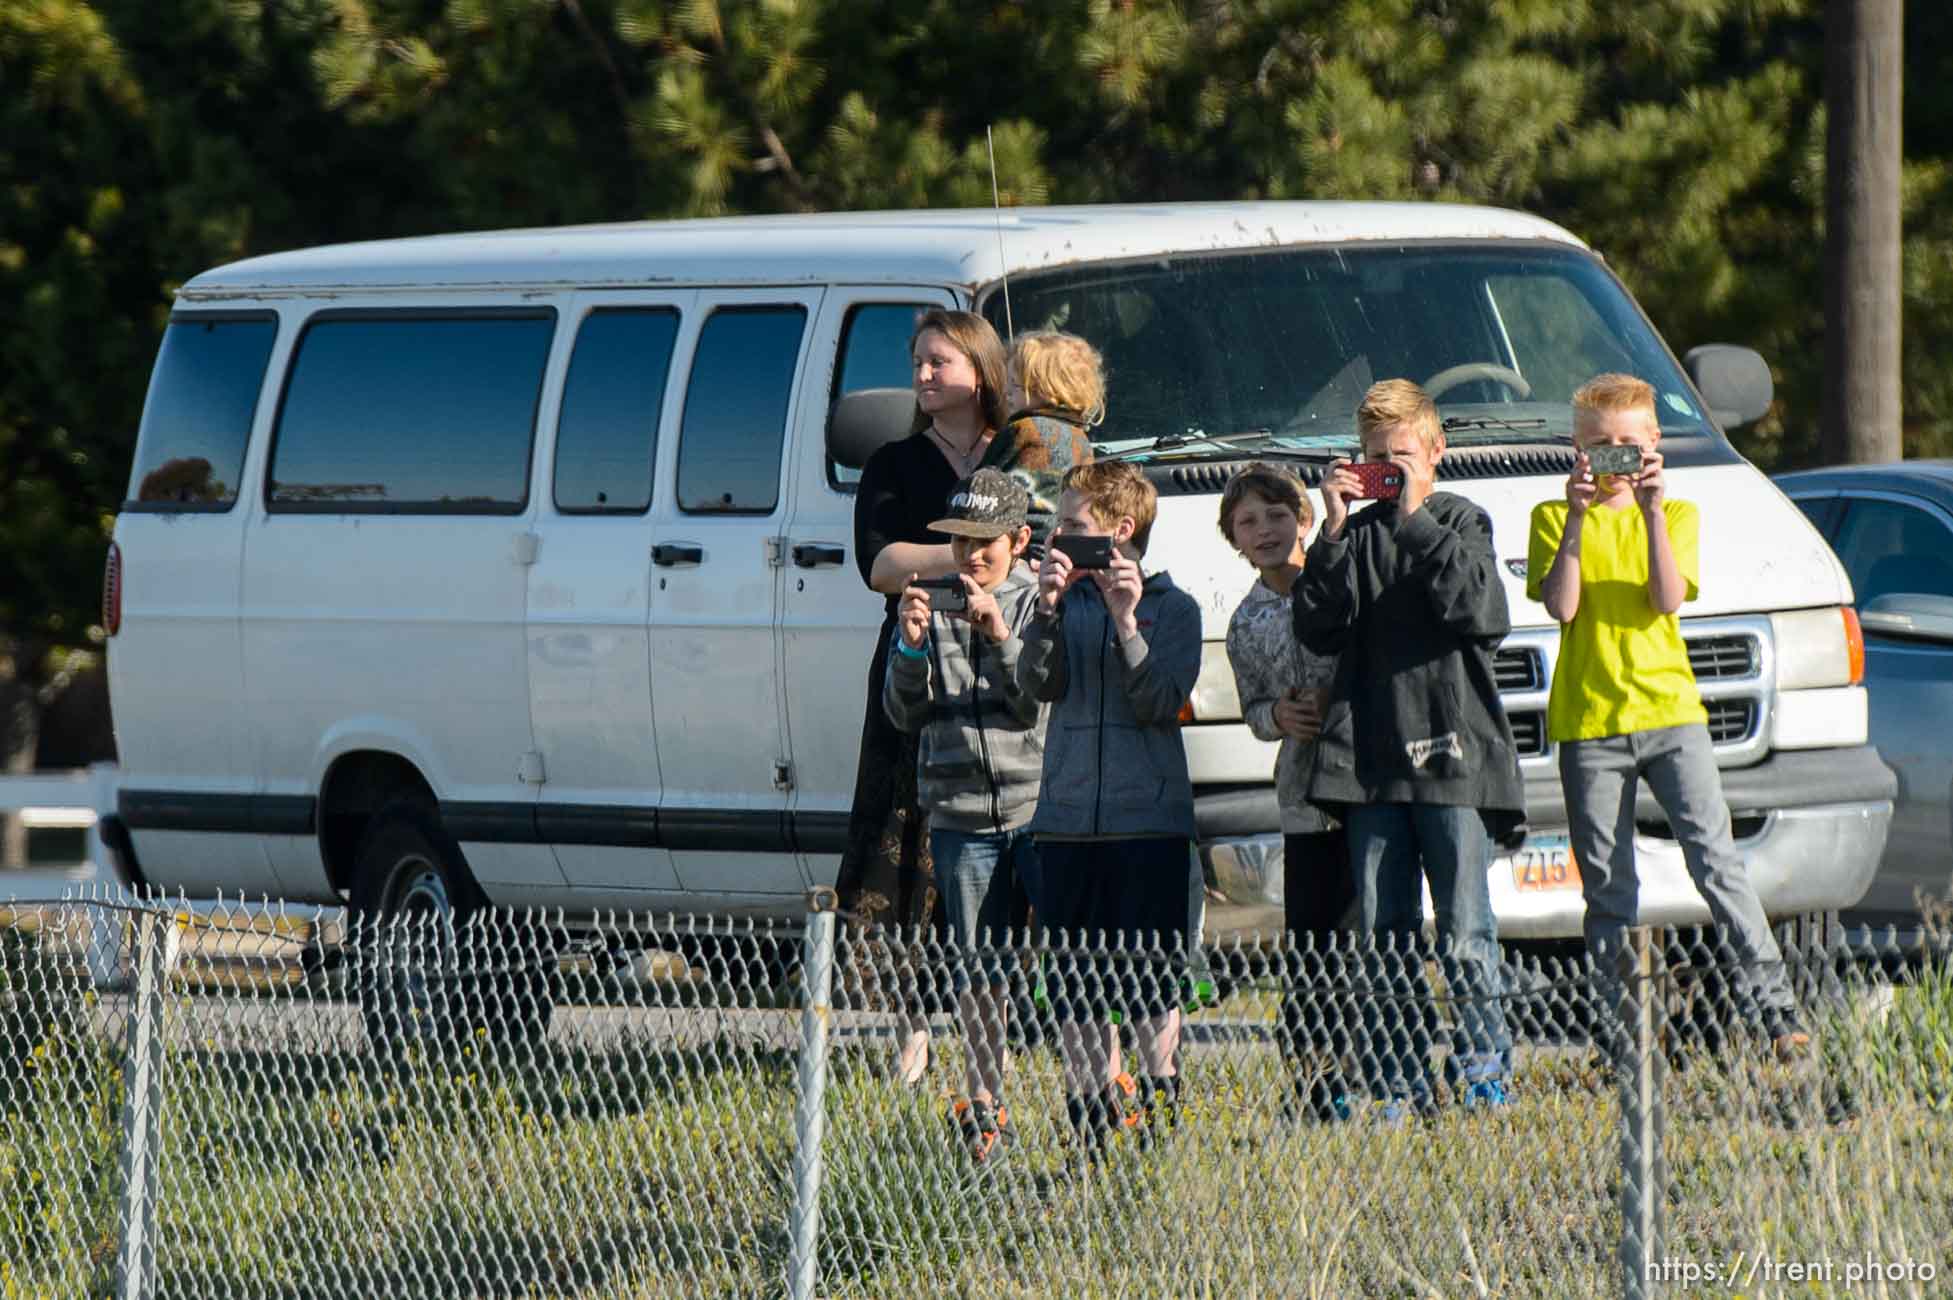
(1545, 864)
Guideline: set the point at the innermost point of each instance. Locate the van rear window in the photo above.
(196, 423)
(410, 413)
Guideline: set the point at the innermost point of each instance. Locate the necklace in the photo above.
(963, 460)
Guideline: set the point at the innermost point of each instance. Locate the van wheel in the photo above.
(434, 965)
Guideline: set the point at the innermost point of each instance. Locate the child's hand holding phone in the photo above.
(912, 615)
(1378, 480)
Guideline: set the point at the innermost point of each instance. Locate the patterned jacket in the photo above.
(1268, 660)
(1036, 449)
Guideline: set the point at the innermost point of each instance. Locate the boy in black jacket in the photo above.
(1415, 750)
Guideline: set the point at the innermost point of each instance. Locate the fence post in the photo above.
(151, 933)
(810, 1095)
(1643, 1170)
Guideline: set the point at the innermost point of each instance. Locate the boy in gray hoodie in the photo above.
(1117, 651)
(953, 678)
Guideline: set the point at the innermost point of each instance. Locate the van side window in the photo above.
(607, 433)
(413, 413)
(196, 424)
(736, 410)
(874, 354)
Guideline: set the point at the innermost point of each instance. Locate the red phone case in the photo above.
(1381, 480)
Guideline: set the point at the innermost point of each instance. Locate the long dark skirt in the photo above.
(887, 877)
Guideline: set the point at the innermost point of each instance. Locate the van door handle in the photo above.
(814, 555)
(667, 554)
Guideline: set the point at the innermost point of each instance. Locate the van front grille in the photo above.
(1730, 720)
(1507, 462)
(1714, 657)
(1528, 733)
(1518, 669)
(1203, 477)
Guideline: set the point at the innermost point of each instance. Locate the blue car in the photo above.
(1892, 526)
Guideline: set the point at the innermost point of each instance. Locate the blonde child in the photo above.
(1613, 563)
(1415, 744)
(1054, 387)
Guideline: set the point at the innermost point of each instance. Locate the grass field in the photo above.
(634, 1171)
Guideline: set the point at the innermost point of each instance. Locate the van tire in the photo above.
(434, 965)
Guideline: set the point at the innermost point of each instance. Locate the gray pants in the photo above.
(1679, 765)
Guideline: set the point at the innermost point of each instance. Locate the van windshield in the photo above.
(1273, 349)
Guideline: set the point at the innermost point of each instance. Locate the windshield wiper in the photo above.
(1455, 423)
(1192, 438)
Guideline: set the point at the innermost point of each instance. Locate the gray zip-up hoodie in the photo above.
(982, 748)
(1114, 763)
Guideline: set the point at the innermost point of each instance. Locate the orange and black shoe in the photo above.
(1105, 1117)
(984, 1128)
(1159, 1106)
(1124, 1110)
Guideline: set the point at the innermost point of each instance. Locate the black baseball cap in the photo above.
(987, 504)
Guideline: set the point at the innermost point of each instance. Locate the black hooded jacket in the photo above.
(1413, 607)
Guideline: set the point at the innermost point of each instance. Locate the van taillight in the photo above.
(112, 591)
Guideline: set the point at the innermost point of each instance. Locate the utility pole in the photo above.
(1863, 72)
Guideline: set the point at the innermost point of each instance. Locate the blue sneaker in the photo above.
(1396, 1112)
(1487, 1094)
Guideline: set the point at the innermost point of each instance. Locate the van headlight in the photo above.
(1818, 647)
(1214, 697)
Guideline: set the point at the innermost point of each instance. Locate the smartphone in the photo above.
(1085, 552)
(1380, 480)
(1624, 458)
(946, 595)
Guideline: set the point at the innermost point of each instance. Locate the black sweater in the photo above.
(1413, 606)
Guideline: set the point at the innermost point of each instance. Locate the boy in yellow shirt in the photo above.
(1612, 564)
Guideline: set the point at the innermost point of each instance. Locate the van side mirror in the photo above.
(1734, 381)
(865, 421)
(1913, 615)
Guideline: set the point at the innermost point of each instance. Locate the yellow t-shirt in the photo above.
(1622, 667)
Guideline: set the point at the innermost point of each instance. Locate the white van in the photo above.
(519, 567)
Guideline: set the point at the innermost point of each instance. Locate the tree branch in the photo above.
(595, 41)
(777, 158)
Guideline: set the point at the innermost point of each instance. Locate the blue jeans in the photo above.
(1388, 845)
(982, 877)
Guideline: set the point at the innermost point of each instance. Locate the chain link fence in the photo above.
(244, 1101)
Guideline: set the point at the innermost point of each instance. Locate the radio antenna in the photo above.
(997, 207)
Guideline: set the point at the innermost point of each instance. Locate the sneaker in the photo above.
(1486, 1094)
(1097, 1119)
(1396, 1112)
(1159, 1107)
(1789, 1041)
(1159, 1100)
(1121, 1108)
(984, 1127)
(1328, 1103)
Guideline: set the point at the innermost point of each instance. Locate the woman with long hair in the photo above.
(958, 366)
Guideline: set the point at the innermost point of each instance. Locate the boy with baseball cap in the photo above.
(953, 678)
